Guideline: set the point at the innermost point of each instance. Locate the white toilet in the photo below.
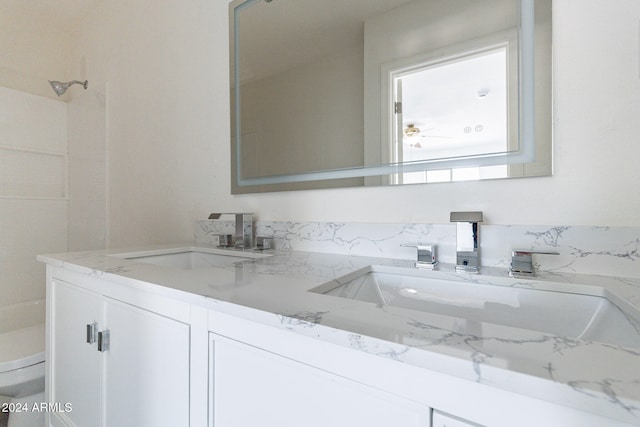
(22, 339)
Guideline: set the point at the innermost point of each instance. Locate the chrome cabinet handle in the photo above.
(92, 329)
(104, 340)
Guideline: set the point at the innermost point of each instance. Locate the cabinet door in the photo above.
(74, 372)
(252, 387)
(146, 368)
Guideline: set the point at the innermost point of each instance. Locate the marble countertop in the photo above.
(600, 378)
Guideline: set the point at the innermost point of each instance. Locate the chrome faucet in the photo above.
(522, 262)
(244, 228)
(467, 240)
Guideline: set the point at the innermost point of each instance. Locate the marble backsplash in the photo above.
(609, 251)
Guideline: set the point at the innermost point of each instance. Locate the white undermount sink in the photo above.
(558, 312)
(189, 258)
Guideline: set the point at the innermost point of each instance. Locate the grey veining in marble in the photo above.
(610, 251)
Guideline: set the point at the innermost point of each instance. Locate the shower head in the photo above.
(59, 88)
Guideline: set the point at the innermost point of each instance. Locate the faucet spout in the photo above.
(467, 240)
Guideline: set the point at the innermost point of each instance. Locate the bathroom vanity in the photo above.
(197, 336)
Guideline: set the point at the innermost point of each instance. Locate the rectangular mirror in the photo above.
(339, 93)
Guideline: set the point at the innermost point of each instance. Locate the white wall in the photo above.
(166, 64)
(167, 113)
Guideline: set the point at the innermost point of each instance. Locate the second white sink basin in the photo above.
(189, 258)
(561, 313)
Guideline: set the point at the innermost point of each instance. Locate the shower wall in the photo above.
(33, 190)
(52, 184)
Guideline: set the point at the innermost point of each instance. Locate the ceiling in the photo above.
(292, 26)
(61, 14)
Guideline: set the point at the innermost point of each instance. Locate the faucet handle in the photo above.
(264, 243)
(522, 261)
(426, 255)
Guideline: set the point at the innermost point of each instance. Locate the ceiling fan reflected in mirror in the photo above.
(413, 134)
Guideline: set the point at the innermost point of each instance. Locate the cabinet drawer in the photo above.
(253, 387)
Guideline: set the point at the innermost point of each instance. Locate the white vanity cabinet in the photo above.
(141, 378)
(178, 359)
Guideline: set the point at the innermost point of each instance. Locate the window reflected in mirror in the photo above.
(452, 107)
